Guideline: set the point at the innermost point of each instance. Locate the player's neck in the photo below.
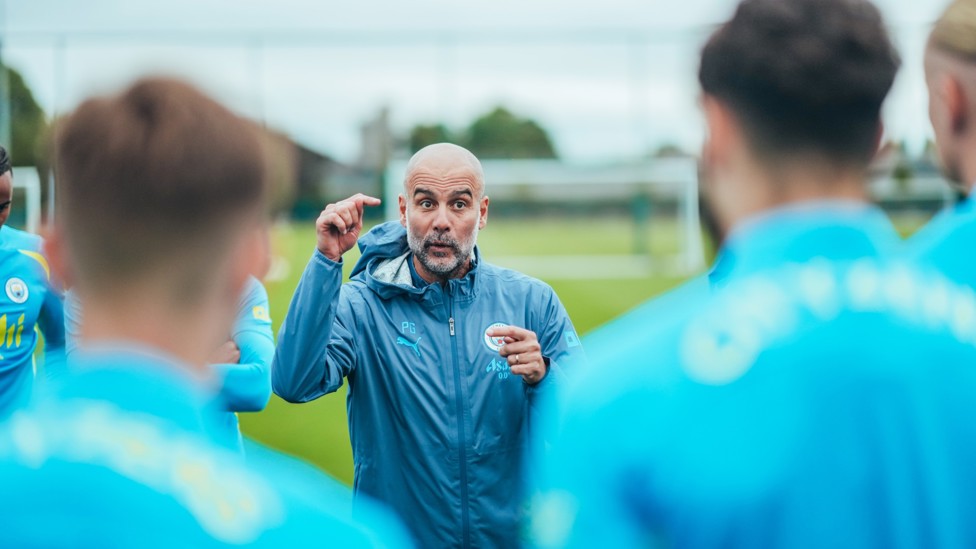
(183, 336)
(763, 190)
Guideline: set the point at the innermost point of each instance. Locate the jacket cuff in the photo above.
(320, 259)
(544, 382)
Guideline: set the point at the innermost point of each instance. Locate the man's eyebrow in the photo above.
(427, 192)
(5, 203)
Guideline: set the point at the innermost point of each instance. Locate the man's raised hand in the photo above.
(338, 226)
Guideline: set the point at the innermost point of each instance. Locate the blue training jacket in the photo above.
(120, 453)
(438, 424)
(28, 301)
(822, 397)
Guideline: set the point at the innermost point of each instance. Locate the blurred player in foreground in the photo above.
(823, 396)
(446, 355)
(950, 70)
(28, 300)
(242, 364)
(161, 194)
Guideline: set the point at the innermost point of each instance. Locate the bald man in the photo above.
(445, 354)
(950, 71)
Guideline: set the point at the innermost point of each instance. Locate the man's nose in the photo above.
(442, 221)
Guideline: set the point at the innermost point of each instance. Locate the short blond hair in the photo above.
(955, 30)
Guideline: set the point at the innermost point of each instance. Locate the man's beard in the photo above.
(441, 267)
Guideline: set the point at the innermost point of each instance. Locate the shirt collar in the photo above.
(831, 229)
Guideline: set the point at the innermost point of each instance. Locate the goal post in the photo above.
(639, 183)
(27, 197)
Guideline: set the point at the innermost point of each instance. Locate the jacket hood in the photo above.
(383, 266)
(384, 241)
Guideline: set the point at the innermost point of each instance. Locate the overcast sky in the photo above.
(609, 79)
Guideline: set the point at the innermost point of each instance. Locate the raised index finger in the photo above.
(365, 200)
(513, 332)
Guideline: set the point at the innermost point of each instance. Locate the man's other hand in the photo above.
(523, 352)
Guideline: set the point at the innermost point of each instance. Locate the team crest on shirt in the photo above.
(17, 290)
(494, 343)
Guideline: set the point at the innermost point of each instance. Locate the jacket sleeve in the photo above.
(559, 341)
(246, 386)
(315, 343)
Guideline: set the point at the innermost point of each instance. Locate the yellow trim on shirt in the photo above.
(40, 259)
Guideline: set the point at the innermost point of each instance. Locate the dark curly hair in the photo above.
(4, 161)
(803, 76)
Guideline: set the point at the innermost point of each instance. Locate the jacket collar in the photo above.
(834, 230)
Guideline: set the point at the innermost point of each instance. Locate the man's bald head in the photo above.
(952, 44)
(955, 31)
(444, 161)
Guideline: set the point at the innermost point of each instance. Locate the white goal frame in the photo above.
(26, 177)
(677, 176)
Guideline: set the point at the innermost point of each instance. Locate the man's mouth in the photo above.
(439, 246)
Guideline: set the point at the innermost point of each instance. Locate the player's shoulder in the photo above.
(253, 290)
(639, 353)
(944, 242)
(253, 303)
(348, 523)
(138, 461)
(20, 240)
(112, 461)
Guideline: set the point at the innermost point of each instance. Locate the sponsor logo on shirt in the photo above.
(10, 335)
(500, 367)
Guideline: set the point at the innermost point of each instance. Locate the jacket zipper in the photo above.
(462, 440)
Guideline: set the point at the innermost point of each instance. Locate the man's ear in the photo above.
(956, 103)
(57, 256)
(721, 132)
(403, 209)
(879, 137)
(483, 217)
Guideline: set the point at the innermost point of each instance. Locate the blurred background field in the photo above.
(317, 431)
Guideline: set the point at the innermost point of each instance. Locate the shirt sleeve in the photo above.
(315, 345)
(246, 386)
(72, 323)
(51, 321)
